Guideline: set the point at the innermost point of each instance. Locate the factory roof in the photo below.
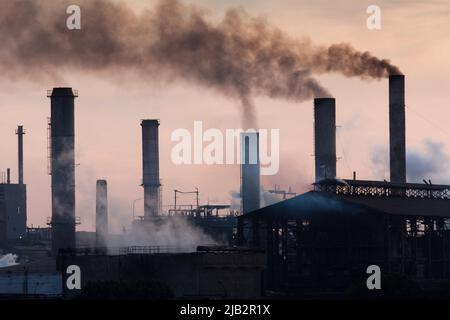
(357, 196)
(62, 91)
(307, 204)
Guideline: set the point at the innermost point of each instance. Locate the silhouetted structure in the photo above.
(63, 167)
(101, 210)
(250, 171)
(325, 138)
(150, 167)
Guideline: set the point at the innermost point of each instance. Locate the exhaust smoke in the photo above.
(240, 56)
(8, 260)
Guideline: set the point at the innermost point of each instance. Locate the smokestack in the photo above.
(101, 210)
(397, 140)
(63, 167)
(20, 132)
(325, 138)
(150, 167)
(250, 183)
(8, 175)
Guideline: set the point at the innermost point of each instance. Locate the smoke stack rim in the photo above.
(102, 182)
(62, 92)
(396, 76)
(150, 122)
(324, 100)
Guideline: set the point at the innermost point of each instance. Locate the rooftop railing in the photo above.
(360, 188)
(131, 250)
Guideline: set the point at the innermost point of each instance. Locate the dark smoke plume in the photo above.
(240, 56)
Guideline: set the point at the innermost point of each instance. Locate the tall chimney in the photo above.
(150, 167)
(250, 171)
(63, 167)
(325, 138)
(101, 210)
(8, 176)
(397, 139)
(20, 132)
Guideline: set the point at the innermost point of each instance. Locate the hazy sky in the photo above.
(414, 35)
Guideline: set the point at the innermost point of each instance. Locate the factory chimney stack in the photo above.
(20, 132)
(250, 171)
(325, 138)
(101, 210)
(397, 136)
(63, 167)
(150, 167)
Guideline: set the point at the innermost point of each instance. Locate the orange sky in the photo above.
(415, 36)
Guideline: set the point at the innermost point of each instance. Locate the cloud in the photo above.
(428, 161)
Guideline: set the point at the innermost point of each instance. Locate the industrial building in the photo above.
(315, 244)
(13, 201)
(13, 212)
(45, 253)
(210, 272)
(325, 239)
(216, 220)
